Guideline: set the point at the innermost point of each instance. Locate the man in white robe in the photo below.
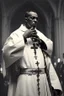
(20, 60)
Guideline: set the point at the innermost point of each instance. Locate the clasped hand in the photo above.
(31, 33)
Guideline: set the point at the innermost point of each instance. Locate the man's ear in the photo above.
(26, 19)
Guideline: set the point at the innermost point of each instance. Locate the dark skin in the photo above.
(31, 23)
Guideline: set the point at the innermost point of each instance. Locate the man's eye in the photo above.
(34, 18)
(31, 17)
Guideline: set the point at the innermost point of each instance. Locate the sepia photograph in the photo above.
(31, 47)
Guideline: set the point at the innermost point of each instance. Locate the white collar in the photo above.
(24, 28)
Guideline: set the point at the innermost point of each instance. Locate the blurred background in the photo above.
(51, 23)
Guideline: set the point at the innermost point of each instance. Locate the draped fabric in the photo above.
(19, 54)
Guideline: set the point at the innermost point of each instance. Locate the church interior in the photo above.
(51, 23)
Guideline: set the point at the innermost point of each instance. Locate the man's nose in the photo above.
(35, 20)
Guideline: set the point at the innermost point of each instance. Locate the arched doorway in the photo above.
(18, 17)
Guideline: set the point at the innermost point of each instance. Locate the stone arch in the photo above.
(19, 13)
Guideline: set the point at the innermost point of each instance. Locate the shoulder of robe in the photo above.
(47, 41)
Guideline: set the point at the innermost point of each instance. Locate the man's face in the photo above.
(32, 20)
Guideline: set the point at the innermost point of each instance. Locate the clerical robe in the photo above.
(17, 51)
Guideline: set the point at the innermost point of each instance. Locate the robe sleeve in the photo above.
(47, 41)
(13, 48)
(55, 82)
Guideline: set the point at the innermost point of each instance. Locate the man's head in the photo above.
(31, 19)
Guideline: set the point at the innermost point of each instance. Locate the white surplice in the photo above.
(16, 49)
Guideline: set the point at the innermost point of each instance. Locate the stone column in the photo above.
(5, 28)
(62, 39)
(58, 38)
(48, 30)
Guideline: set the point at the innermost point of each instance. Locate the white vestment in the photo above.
(16, 49)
